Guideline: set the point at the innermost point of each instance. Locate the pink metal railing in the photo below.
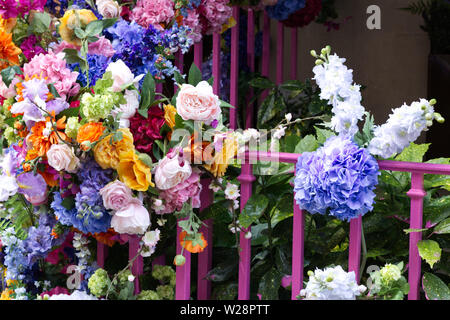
(246, 178)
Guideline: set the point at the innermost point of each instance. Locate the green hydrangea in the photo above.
(10, 136)
(390, 273)
(148, 295)
(98, 283)
(123, 278)
(99, 106)
(166, 292)
(72, 127)
(6, 104)
(164, 273)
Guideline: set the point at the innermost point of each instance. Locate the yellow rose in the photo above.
(7, 24)
(169, 115)
(133, 172)
(107, 154)
(72, 19)
(221, 159)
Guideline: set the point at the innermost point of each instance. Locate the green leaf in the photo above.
(69, 112)
(224, 104)
(80, 33)
(71, 56)
(143, 112)
(40, 22)
(195, 75)
(147, 91)
(253, 209)
(222, 272)
(435, 288)
(413, 153)
(307, 144)
(323, 135)
(53, 91)
(108, 22)
(262, 83)
(443, 227)
(178, 77)
(94, 28)
(270, 284)
(145, 158)
(9, 73)
(210, 81)
(68, 203)
(430, 251)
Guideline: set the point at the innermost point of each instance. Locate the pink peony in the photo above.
(133, 219)
(181, 193)
(171, 171)
(54, 69)
(198, 103)
(215, 13)
(193, 22)
(101, 47)
(116, 195)
(153, 12)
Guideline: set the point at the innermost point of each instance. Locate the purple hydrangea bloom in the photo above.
(338, 178)
(38, 243)
(284, 8)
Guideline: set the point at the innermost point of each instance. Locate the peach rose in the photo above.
(61, 157)
(133, 219)
(198, 103)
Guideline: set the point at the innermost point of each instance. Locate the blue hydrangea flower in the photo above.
(38, 243)
(97, 67)
(338, 178)
(284, 8)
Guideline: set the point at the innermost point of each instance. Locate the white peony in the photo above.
(122, 75)
(76, 295)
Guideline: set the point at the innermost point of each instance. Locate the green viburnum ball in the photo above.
(98, 283)
(10, 136)
(123, 277)
(99, 106)
(72, 127)
(390, 273)
(148, 295)
(164, 273)
(166, 292)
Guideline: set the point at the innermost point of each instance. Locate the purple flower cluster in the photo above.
(284, 8)
(339, 177)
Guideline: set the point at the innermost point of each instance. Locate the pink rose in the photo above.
(171, 170)
(116, 195)
(198, 103)
(133, 219)
(61, 157)
(121, 75)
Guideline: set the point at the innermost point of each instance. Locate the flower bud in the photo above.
(324, 51)
(314, 53)
(440, 120)
(433, 102)
(429, 123)
(310, 273)
(428, 116)
(319, 62)
(179, 260)
(328, 48)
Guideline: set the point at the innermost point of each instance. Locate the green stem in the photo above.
(364, 253)
(30, 213)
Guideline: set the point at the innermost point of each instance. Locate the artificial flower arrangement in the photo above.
(90, 150)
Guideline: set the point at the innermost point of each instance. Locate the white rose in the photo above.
(108, 8)
(134, 219)
(129, 109)
(121, 75)
(61, 157)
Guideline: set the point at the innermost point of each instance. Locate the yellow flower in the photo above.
(221, 159)
(107, 154)
(169, 115)
(72, 19)
(6, 294)
(7, 25)
(228, 25)
(133, 172)
(9, 53)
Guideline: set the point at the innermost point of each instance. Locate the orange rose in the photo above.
(89, 132)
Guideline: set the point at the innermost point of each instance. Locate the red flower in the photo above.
(145, 131)
(304, 16)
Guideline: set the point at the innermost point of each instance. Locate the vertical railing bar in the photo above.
(297, 251)
(417, 193)
(137, 268)
(102, 252)
(205, 257)
(280, 53)
(198, 54)
(234, 69)
(294, 53)
(265, 68)
(183, 273)
(250, 62)
(354, 255)
(216, 63)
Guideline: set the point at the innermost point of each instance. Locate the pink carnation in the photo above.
(193, 22)
(215, 13)
(53, 67)
(100, 47)
(55, 290)
(176, 196)
(152, 12)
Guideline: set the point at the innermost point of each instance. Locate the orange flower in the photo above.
(9, 53)
(7, 24)
(193, 244)
(43, 136)
(197, 152)
(106, 237)
(91, 132)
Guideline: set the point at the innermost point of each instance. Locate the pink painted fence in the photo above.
(246, 178)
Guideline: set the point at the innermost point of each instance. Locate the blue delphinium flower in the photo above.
(284, 8)
(15, 259)
(338, 179)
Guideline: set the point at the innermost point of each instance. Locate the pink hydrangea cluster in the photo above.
(53, 68)
(101, 47)
(193, 22)
(215, 13)
(153, 12)
(175, 197)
